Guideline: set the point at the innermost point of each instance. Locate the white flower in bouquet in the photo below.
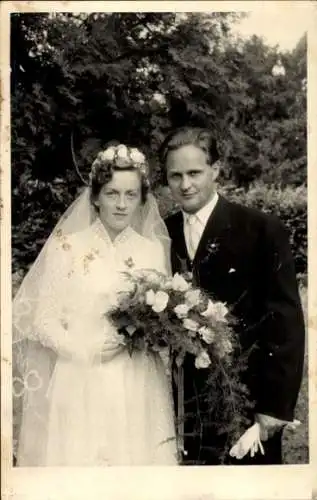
(122, 152)
(108, 154)
(136, 156)
(206, 334)
(190, 325)
(154, 278)
(179, 283)
(181, 310)
(161, 300)
(216, 310)
(157, 300)
(167, 284)
(150, 297)
(202, 360)
(193, 297)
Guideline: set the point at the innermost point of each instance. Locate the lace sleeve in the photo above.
(51, 314)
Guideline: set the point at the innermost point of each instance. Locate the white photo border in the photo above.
(287, 482)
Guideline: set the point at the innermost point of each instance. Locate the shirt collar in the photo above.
(204, 213)
(101, 231)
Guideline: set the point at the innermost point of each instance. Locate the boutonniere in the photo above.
(212, 248)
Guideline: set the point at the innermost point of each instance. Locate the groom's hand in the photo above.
(268, 425)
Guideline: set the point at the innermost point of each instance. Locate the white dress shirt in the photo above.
(194, 225)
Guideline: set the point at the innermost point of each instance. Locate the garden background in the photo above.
(81, 80)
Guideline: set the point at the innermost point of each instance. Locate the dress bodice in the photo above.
(97, 264)
(85, 274)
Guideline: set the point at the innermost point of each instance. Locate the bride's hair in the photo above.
(109, 161)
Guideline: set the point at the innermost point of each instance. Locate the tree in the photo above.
(133, 77)
(268, 130)
(128, 76)
(99, 77)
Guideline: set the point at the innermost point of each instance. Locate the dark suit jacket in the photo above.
(244, 259)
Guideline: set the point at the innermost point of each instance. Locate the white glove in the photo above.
(248, 442)
(251, 440)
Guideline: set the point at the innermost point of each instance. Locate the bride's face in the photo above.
(119, 200)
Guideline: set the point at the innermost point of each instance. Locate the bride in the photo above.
(83, 399)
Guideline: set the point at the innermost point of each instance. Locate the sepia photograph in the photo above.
(96, 100)
(159, 236)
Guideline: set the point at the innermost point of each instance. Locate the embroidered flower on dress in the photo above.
(129, 262)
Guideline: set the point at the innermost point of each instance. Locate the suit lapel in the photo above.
(217, 224)
(179, 243)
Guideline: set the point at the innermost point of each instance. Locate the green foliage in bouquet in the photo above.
(156, 312)
(225, 406)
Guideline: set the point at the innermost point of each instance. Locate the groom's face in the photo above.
(190, 178)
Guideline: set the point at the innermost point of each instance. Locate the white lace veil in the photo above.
(33, 363)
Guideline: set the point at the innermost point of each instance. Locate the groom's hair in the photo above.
(184, 136)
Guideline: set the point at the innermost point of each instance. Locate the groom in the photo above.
(241, 256)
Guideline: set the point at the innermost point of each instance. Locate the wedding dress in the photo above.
(102, 406)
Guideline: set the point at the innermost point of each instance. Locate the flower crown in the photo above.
(121, 156)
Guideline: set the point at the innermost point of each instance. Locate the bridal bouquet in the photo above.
(159, 311)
